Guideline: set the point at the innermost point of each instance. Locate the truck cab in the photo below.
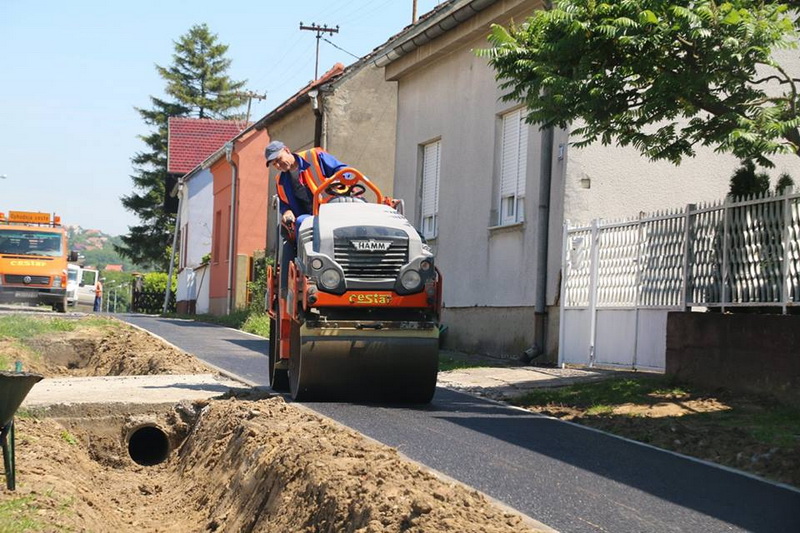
(33, 259)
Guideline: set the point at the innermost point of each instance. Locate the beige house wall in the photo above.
(359, 111)
(360, 118)
(490, 274)
(449, 94)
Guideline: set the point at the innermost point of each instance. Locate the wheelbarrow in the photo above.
(14, 387)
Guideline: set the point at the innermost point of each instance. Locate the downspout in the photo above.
(316, 106)
(231, 232)
(543, 229)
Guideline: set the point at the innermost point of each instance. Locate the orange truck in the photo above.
(33, 259)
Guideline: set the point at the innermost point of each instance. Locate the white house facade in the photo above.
(196, 208)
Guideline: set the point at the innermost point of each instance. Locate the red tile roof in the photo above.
(192, 140)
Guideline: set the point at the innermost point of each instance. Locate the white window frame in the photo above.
(513, 158)
(429, 201)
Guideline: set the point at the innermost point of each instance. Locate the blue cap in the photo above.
(273, 149)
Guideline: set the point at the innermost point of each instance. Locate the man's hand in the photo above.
(288, 218)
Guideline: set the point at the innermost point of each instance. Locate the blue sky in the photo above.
(71, 74)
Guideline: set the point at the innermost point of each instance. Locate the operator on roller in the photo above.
(300, 175)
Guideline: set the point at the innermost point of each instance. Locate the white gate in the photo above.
(622, 278)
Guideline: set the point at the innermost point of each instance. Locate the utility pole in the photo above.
(250, 95)
(320, 30)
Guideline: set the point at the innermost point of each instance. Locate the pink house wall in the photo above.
(251, 218)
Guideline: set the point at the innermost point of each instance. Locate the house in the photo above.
(190, 142)
(350, 112)
(491, 193)
(239, 211)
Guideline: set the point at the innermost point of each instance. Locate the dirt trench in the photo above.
(244, 462)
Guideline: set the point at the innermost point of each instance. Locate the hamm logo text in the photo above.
(371, 245)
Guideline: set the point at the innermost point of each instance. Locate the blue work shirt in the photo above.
(329, 166)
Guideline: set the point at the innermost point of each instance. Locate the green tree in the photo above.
(662, 76)
(197, 77)
(747, 182)
(198, 83)
(785, 184)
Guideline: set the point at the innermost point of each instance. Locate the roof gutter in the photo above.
(427, 30)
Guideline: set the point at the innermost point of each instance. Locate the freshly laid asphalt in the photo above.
(569, 477)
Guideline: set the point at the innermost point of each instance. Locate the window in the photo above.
(228, 240)
(217, 234)
(431, 156)
(513, 167)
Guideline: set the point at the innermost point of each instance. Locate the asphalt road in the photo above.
(571, 478)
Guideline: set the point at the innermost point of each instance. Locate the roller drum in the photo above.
(367, 365)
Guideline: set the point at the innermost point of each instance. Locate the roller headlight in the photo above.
(410, 280)
(316, 263)
(330, 279)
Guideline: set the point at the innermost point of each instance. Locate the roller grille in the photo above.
(371, 264)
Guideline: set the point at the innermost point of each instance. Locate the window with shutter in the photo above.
(513, 167)
(430, 188)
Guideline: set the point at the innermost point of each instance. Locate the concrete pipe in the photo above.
(148, 445)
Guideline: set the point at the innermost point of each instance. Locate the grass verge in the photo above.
(23, 327)
(448, 362)
(19, 514)
(251, 322)
(748, 432)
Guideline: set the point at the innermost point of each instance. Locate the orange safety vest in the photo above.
(312, 177)
(98, 289)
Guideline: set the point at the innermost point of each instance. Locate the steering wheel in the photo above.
(347, 181)
(342, 189)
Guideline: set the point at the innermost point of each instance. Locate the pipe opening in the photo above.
(148, 446)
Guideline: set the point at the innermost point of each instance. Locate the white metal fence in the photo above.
(621, 278)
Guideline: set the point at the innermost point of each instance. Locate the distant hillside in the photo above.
(97, 248)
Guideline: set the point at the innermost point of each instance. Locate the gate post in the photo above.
(593, 293)
(787, 250)
(725, 253)
(563, 294)
(688, 241)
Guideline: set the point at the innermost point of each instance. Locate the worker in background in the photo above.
(300, 175)
(98, 296)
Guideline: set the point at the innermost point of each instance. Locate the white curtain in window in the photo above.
(430, 188)
(513, 167)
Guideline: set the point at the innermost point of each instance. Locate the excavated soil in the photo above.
(240, 463)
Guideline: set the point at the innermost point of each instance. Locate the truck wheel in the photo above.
(60, 307)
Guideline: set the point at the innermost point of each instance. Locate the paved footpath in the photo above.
(566, 476)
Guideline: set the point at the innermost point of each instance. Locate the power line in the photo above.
(340, 48)
(320, 30)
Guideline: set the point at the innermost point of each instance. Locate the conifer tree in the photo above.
(199, 86)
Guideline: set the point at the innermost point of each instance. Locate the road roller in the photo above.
(355, 317)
